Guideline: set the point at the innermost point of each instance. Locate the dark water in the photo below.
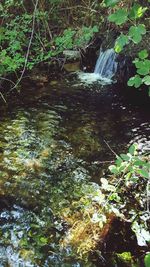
(55, 138)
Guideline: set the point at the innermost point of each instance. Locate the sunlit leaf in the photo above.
(146, 80)
(125, 157)
(121, 41)
(118, 161)
(136, 32)
(104, 181)
(147, 260)
(143, 67)
(113, 169)
(137, 11)
(143, 54)
(133, 149)
(119, 17)
(135, 81)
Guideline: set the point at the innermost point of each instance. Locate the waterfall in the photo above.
(105, 69)
(106, 65)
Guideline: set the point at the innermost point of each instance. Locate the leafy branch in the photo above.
(135, 34)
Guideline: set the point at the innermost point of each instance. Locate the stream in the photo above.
(56, 137)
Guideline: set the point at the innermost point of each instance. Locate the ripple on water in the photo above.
(141, 136)
(46, 155)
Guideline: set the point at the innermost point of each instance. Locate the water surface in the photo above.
(55, 137)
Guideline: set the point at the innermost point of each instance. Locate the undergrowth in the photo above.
(123, 194)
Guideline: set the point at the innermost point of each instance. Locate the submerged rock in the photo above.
(71, 67)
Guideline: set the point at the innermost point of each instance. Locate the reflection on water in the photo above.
(52, 141)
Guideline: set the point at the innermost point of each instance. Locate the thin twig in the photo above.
(8, 80)
(78, 6)
(3, 97)
(110, 148)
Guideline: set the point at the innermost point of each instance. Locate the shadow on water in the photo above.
(54, 139)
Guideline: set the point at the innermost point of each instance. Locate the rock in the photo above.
(71, 67)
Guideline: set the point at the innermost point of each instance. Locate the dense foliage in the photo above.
(40, 33)
(31, 33)
(133, 17)
(118, 196)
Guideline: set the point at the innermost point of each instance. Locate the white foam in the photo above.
(90, 78)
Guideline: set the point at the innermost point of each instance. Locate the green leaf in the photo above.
(118, 161)
(149, 91)
(135, 81)
(95, 28)
(132, 149)
(137, 11)
(146, 80)
(119, 17)
(113, 169)
(125, 157)
(143, 67)
(147, 260)
(136, 32)
(115, 197)
(43, 240)
(143, 54)
(111, 3)
(139, 163)
(121, 41)
(144, 173)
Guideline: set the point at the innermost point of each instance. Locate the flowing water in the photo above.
(106, 65)
(54, 140)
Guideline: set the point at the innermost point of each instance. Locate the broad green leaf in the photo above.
(118, 161)
(119, 17)
(139, 63)
(135, 81)
(95, 28)
(125, 157)
(147, 260)
(144, 173)
(121, 41)
(146, 80)
(132, 149)
(143, 71)
(143, 67)
(137, 11)
(143, 54)
(136, 32)
(111, 3)
(113, 169)
(139, 163)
